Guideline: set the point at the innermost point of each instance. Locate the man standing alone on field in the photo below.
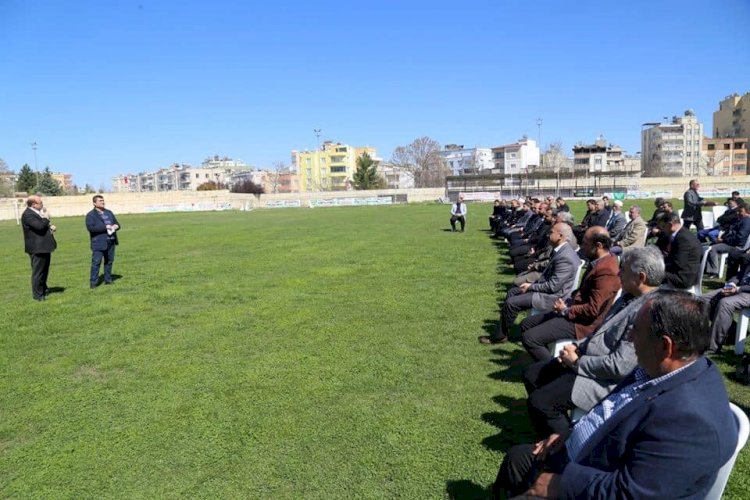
(39, 243)
(103, 226)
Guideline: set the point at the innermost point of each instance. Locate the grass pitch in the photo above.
(326, 353)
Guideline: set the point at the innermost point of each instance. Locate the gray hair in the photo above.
(636, 207)
(567, 232)
(647, 260)
(565, 217)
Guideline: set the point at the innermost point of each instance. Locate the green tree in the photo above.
(47, 185)
(6, 186)
(366, 176)
(26, 179)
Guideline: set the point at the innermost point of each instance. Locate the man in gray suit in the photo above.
(587, 370)
(556, 282)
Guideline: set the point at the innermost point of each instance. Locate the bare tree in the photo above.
(422, 160)
(274, 180)
(554, 158)
(711, 160)
(6, 186)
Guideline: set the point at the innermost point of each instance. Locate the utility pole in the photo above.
(33, 146)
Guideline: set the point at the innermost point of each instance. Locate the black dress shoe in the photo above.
(47, 291)
(108, 282)
(486, 339)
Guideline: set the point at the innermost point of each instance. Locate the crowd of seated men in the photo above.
(636, 330)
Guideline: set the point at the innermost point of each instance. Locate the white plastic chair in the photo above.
(722, 477)
(741, 332)
(708, 219)
(697, 289)
(718, 211)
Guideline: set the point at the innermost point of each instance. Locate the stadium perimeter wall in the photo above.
(186, 201)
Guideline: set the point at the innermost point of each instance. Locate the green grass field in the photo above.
(291, 353)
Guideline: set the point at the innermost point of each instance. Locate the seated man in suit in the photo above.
(634, 234)
(458, 214)
(723, 223)
(664, 432)
(587, 370)
(555, 283)
(736, 237)
(580, 315)
(531, 266)
(724, 302)
(498, 214)
(682, 252)
(616, 222)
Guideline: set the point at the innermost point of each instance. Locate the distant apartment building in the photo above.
(329, 168)
(65, 181)
(181, 177)
(672, 149)
(725, 156)
(733, 117)
(396, 177)
(602, 157)
(463, 161)
(516, 158)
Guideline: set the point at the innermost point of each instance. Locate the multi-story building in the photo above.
(65, 181)
(733, 117)
(396, 177)
(672, 149)
(725, 156)
(466, 161)
(600, 157)
(182, 177)
(517, 158)
(329, 168)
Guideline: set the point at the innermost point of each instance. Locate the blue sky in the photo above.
(118, 86)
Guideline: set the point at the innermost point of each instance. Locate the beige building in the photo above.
(602, 157)
(733, 117)
(181, 177)
(727, 156)
(65, 181)
(518, 158)
(329, 168)
(673, 149)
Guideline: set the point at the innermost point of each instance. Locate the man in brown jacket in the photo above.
(580, 315)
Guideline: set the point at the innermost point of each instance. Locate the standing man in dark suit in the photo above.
(664, 432)
(103, 226)
(556, 282)
(693, 203)
(39, 242)
(682, 252)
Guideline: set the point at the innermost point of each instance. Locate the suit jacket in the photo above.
(607, 356)
(98, 230)
(593, 299)
(634, 233)
(682, 260)
(556, 280)
(615, 225)
(738, 234)
(669, 442)
(37, 236)
(599, 218)
(692, 210)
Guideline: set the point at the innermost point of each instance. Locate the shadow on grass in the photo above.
(56, 289)
(513, 424)
(467, 490)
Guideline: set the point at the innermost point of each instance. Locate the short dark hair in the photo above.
(742, 206)
(683, 318)
(735, 193)
(591, 200)
(97, 197)
(659, 201)
(668, 218)
(603, 238)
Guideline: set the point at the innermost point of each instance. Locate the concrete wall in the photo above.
(176, 201)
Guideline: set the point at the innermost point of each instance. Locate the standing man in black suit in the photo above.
(103, 226)
(39, 243)
(693, 202)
